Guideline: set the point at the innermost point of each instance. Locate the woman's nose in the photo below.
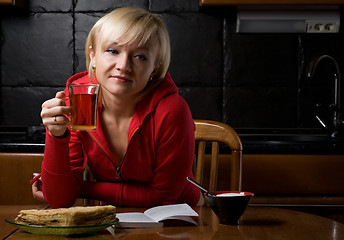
(123, 63)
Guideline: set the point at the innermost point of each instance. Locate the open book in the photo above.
(155, 216)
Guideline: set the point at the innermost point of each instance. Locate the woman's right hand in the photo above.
(53, 114)
(37, 190)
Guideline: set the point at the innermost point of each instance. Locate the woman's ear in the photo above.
(92, 63)
(92, 57)
(153, 73)
(156, 69)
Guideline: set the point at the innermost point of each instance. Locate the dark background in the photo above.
(249, 81)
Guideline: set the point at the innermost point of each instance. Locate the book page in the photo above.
(183, 218)
(164, 212)
(133, 217)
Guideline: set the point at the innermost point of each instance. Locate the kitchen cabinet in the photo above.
(16, 170)
(269, 2)
(294, 178)
(288, 179)
(17, 3)
(310, 183)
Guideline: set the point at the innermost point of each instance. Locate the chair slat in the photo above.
(200, 161)
(236, 170)
(214, 165)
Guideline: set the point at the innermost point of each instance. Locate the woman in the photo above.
(143, 147)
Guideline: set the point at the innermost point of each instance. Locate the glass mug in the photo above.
(83, 99)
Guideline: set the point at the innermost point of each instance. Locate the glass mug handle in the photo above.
(69, 114)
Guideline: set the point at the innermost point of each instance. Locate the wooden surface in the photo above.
(10, 212)
(256, 223)
(7, 2)
(16, 170)
(274, 178)
(269, 2)
(294, 175)
(301, 179)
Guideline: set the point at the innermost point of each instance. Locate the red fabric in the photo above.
(153, 172)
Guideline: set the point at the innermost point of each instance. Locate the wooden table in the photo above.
(257, 223)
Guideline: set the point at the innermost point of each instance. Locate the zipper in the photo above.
(118, 172)
(118, 169)
(98, 144)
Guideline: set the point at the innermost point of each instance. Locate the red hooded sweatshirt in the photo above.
(153, 172)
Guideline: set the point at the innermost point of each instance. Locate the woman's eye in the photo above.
(141, 57)
(112, 51)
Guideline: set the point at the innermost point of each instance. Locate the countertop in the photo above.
(254, 141)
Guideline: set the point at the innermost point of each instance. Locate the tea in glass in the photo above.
(83, 100)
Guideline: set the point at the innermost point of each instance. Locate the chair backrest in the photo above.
(217, 132)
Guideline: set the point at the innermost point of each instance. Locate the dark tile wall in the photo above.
(246, 80)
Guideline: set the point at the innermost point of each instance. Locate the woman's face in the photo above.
(124, 70)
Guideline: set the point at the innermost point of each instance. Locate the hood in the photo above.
(151, 100)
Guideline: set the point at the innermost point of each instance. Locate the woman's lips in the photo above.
(121, 79)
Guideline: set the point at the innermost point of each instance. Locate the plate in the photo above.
(61, 231)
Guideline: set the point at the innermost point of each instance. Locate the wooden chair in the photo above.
(216, 132)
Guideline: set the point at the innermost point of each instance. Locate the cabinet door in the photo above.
(17, 3)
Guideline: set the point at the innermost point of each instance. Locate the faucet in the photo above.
(335, 129)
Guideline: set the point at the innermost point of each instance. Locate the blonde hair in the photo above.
(128, 25)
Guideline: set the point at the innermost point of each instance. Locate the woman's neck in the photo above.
(118, 108)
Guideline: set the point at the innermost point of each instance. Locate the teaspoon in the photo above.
(200, 186)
